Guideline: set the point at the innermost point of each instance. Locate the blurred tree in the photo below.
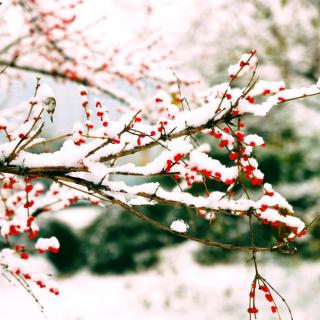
(118, 242)
(71, 257)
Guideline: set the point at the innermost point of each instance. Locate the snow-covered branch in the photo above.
(93, 153)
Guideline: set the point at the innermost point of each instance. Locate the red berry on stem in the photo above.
(269, 297)
(28, 188)
(24, 255)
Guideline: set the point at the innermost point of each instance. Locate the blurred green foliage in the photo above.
(71, 256)
(118, 242)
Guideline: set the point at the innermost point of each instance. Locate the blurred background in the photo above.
(114, 266)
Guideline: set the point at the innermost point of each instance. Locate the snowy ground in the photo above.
(177, 289)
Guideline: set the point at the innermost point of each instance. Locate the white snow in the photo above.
(178, 289)
(44, 91)
(179, 226)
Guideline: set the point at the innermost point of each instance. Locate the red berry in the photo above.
(250, 99)
(217, 175)
(240, 135)
(233, 156)
(30, 220)
(9, 212)
(253, 310)
(99, 113)
(269, 297)
(229, 181)
(53, 250)
(223, 143)
(273, 309)
(24, 255)
(28, 188)
(263, 207)
(256, 181)
(40, 284)
(178, 157)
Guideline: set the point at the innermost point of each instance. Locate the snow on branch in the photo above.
(96, 151)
